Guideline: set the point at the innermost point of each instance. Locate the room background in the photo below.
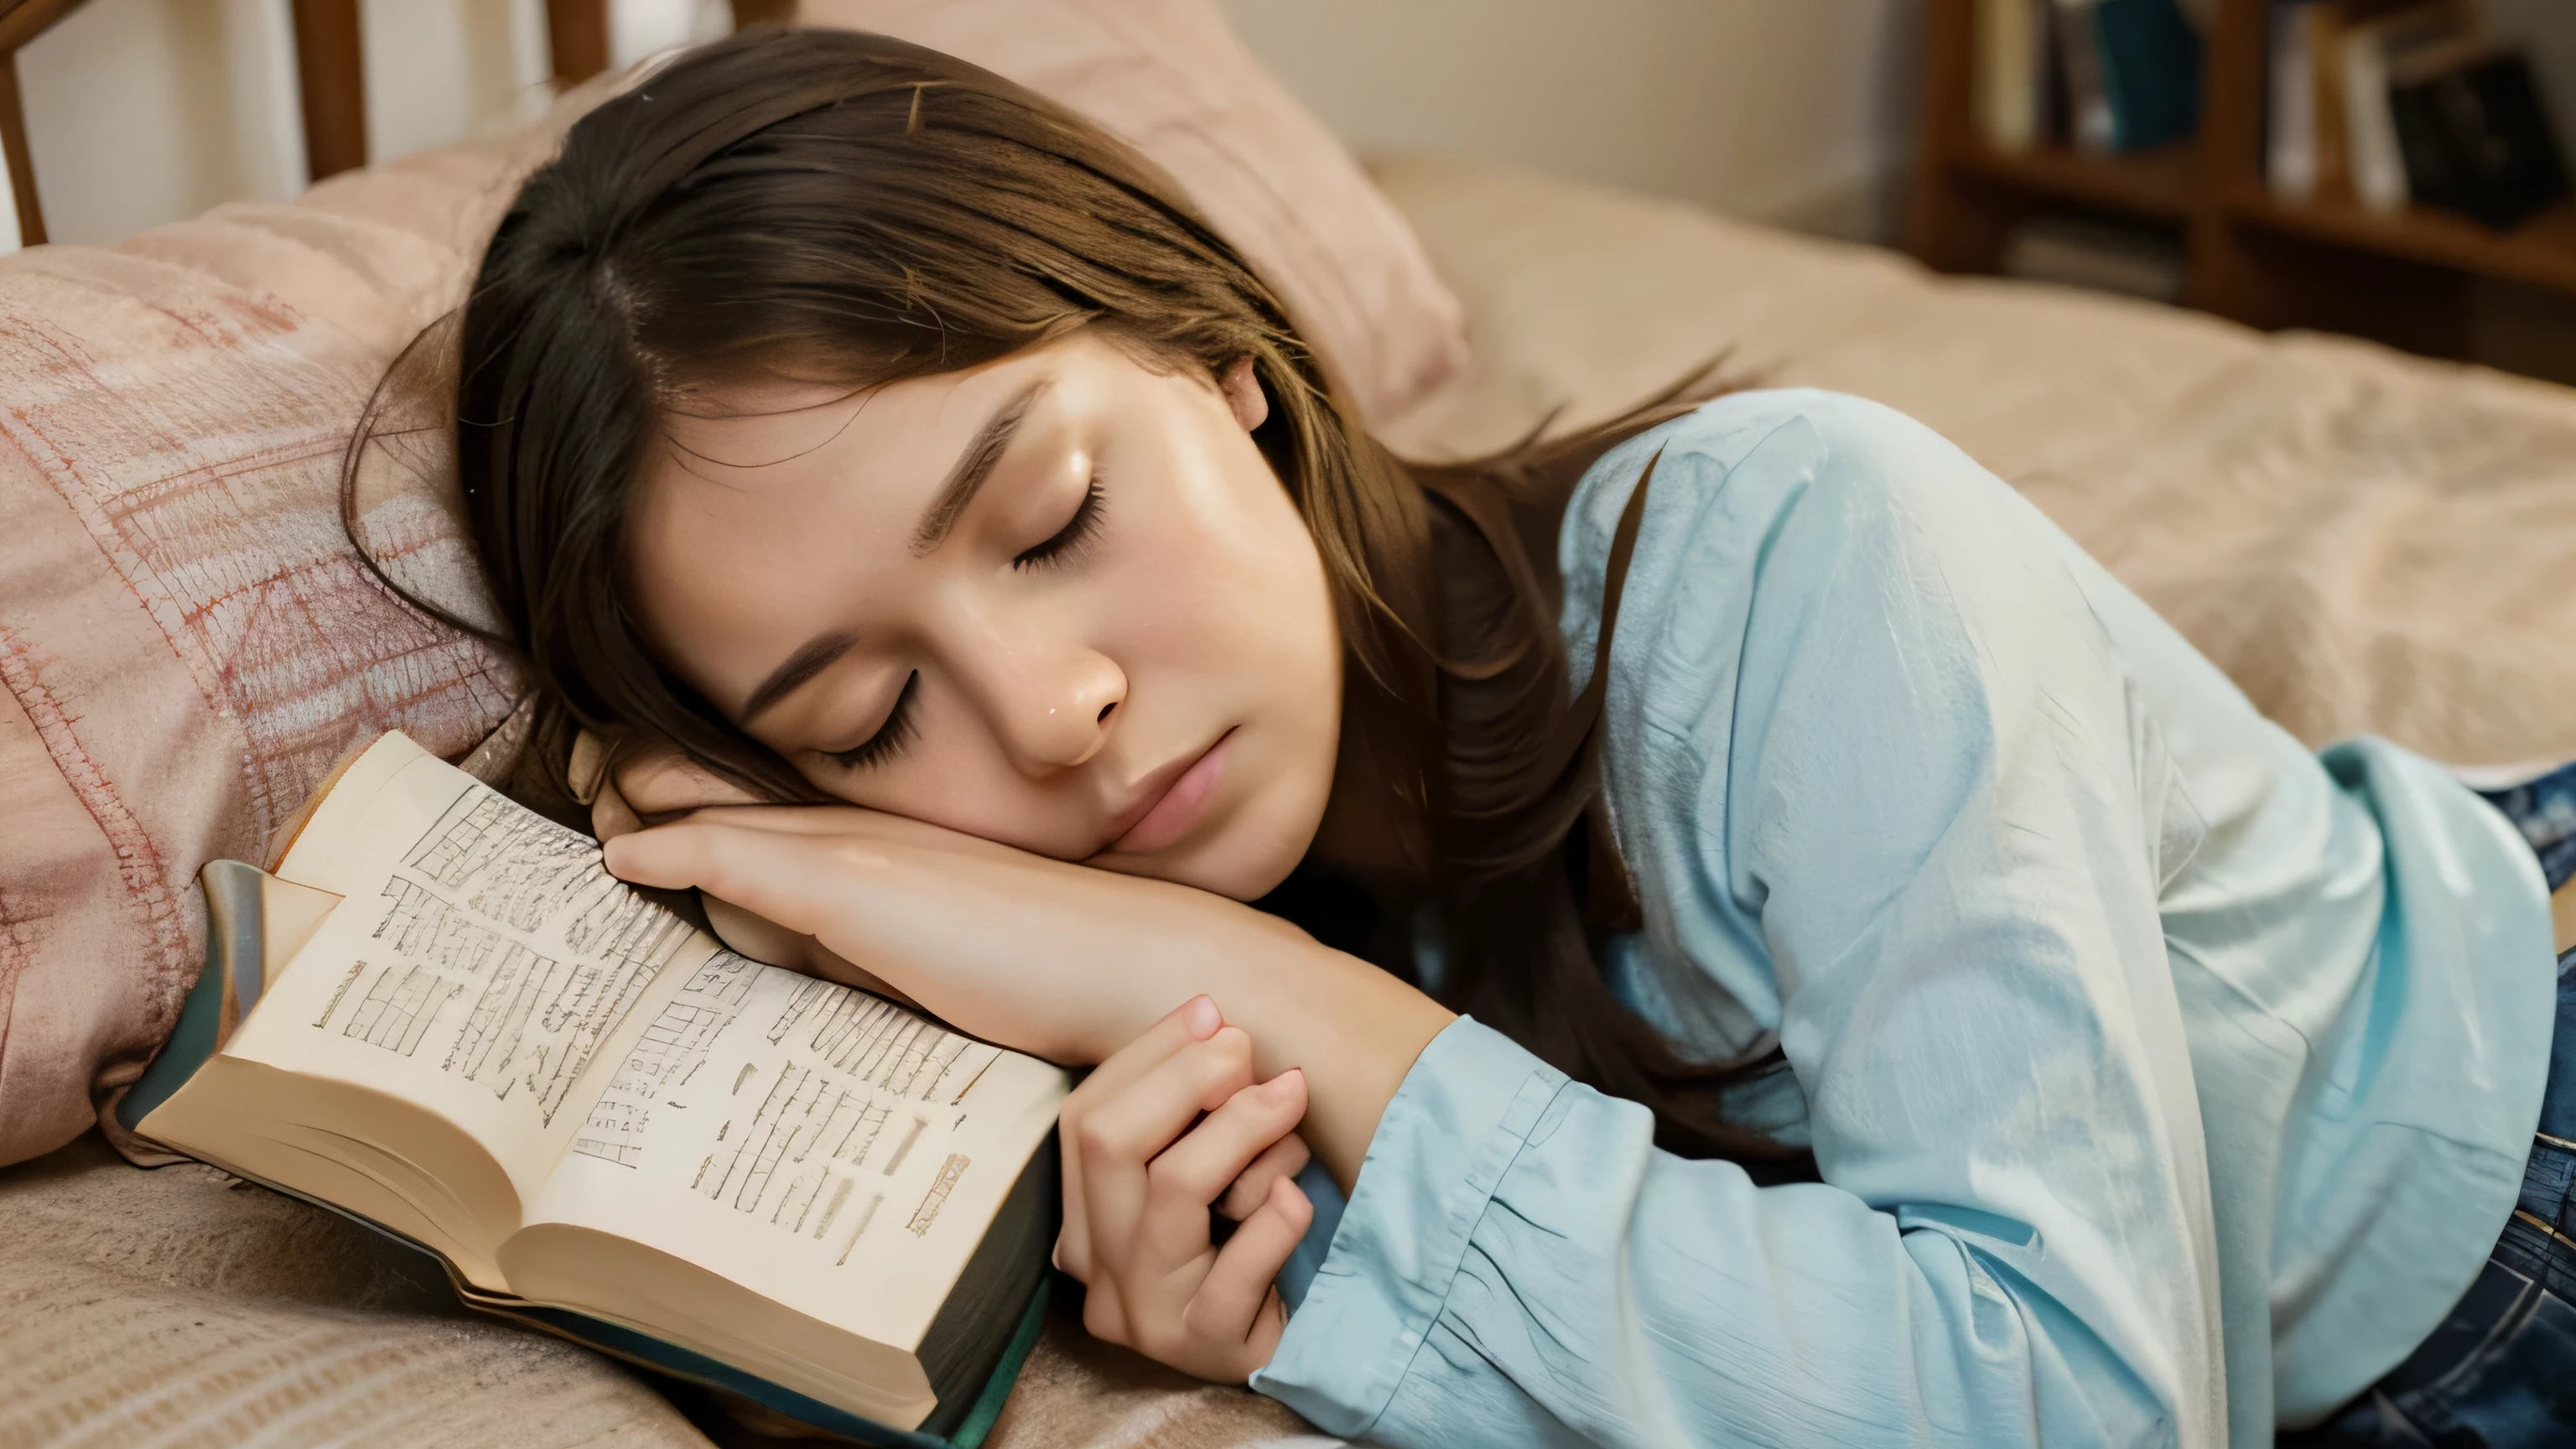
(143, 111)
(1801, 114)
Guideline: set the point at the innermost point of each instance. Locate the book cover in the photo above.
(2475, 135)
(2150, 68)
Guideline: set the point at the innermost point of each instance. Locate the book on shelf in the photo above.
(2475, 134)
(2127, 260)
(2392, 102)
(2290, 102)
(2011, 73)
(2306, 151)
(443, 1017)
(2150, 56)
(2091, 126)
(2375, 160)
(2101, 75)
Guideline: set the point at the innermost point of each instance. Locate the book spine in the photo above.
(2079, 48)
(2325, 20)
(2290, 151)
(2150, 71)
(2007, 83)
(2048, 63)
(2478, 141)
(2378, 170)
(2429, 170)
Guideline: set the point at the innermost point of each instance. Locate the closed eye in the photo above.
(890, 738)
(1077, 531)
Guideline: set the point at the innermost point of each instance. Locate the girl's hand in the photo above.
(643, 781)
(1139, 1181)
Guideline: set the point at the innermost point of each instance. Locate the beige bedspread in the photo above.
(2364, 541)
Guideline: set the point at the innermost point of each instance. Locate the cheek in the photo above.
(1238, 591)
(952, 778)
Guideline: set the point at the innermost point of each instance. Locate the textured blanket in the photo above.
(178, 1307)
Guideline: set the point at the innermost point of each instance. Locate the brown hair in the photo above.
(844, 207)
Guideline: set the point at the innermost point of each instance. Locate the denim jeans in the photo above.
(2500, 1372)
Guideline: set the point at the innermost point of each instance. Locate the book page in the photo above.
(482, 963)
(819, 1145)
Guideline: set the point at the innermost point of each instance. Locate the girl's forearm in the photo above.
(1063, 960)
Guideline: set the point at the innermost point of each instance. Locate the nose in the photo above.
(1051, 702)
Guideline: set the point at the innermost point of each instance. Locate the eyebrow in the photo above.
(804, 664)
(972, 468)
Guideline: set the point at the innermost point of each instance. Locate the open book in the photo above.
(490, 1046)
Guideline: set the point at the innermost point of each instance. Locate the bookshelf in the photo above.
(2250, 256)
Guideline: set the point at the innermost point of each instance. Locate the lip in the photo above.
(1171, 801)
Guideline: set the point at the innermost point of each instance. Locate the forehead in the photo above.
(760, 444)
(769, 512)
(763, 501)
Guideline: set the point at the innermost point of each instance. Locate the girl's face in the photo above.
(1060, 602)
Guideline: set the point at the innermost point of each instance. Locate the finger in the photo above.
(610, 815)
(1196, 1170)
(1193, 1020)
(781, 877)
(1286, 1158)
(587, 770)
(657, 778)
(1120, 1135)
(1136, 1124)
(854, 820)
(1104, 1315)
(1237, 1295)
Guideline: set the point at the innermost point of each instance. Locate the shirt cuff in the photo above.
(1455, 1126)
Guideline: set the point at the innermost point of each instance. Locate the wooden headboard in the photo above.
(330, 78)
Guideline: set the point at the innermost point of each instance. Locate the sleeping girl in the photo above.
(1761, 939)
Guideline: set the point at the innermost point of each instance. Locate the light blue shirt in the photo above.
(2167, 1080)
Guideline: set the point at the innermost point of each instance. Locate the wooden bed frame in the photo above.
(329, 73)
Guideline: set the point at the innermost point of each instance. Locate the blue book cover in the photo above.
(2151, 63)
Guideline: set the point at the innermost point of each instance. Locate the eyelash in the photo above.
(898, 729)
(890, 738)
(1077, 531)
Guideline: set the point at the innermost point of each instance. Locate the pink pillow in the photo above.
(1171, 79)
(187, 642)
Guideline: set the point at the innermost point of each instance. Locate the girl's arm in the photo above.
(1877, 772)
(1065, 961)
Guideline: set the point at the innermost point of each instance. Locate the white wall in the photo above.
(1794, 111)
(143, 110)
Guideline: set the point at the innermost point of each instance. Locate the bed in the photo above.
(2365, 541)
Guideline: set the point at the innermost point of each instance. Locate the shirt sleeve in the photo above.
(1878, 775)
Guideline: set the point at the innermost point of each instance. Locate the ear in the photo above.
(1243, 393)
